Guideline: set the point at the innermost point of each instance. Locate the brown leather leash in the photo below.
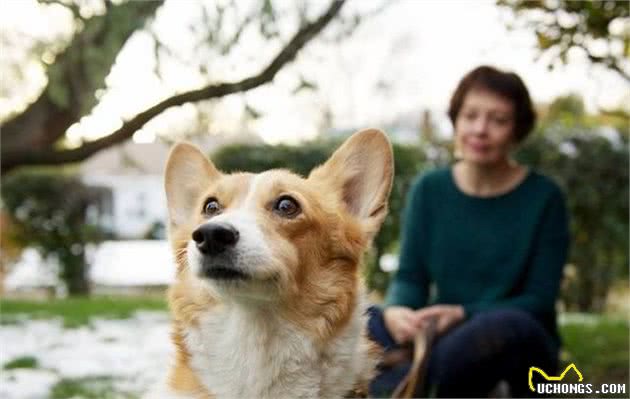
(414, 380)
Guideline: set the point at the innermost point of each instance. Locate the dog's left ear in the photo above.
(187, 175)
(362, 171)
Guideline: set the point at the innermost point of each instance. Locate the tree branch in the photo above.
(611, 63)
(12, 159)
(74, 77)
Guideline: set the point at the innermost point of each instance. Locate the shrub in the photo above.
(49, 212)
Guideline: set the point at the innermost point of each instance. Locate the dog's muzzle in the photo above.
(216, 242)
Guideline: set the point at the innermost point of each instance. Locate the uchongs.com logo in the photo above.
(554, 385)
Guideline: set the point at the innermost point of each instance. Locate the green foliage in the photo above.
(258, 158)
(48, 211)
(408, 161)
(77, 311)
(593, 172)
(23, 362)
(566, 109)
(564, 25)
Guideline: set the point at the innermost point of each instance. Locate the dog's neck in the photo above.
(251, 351)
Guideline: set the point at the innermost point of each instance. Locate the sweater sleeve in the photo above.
(410, 284)
(546, 261)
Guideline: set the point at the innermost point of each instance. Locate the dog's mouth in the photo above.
(220, 272)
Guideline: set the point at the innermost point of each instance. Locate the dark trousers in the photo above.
(470, 359)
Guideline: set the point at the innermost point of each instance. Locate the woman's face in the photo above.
(484, 128)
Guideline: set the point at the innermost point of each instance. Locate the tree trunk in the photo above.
(586, 285)
(77, 73)
(74, 273)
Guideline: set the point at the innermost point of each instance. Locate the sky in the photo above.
(414, 51)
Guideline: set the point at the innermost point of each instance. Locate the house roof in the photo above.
(131, 158)
(128, 158)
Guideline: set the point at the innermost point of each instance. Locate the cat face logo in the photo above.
(552, 378)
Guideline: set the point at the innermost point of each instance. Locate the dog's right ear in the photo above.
(188, 174)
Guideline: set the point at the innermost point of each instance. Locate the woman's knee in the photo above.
(488, 337)
(512, 326)
(504, 316)
(481, 351)
(377, 331)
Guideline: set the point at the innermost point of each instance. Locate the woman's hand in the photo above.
(447, 316)
(401, 322)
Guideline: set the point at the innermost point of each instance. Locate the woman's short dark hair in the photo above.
(506, 84)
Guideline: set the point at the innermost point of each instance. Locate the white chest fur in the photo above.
(243, 353)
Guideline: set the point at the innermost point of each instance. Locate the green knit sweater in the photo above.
(483, 253)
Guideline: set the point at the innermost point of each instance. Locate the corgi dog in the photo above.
(268, 300)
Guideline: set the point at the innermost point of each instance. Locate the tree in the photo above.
(35, 135)
(565, 107)
(10, 247)
(600, 29)
(588, 157)
(48, 211)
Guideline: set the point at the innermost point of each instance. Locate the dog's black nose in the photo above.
(214, 238)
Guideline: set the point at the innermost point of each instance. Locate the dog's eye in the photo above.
(211, 207)
(287, 207)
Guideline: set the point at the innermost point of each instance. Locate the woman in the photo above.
(483, 247)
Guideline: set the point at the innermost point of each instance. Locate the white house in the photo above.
(133, 174)
(137, 204)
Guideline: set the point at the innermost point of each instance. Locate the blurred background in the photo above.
(94, 92)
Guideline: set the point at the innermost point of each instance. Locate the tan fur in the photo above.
(317, 256)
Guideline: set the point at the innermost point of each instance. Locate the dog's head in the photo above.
(276, 236)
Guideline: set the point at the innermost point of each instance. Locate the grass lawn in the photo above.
(23, 362)
(87, 388)
(78, 311)
(598, 345)
(600, 350)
